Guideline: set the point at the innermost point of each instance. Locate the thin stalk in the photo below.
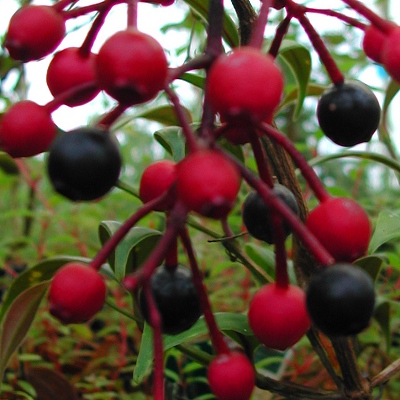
(257, 35)
(281, 271)
(132, 13)
(280, 33)
(108, 119)
(332, 13)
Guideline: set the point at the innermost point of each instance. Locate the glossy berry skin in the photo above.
(176, 299)
(156, 179)
(208, 183)
(231, 376)
(68, 70)
(84, 164)
(77, 292)
(391, 54)
(257, 215)
(278, 316)
(131, 67)
(373, 43)
(34, 32)
(246, 84)
(342, 227)
(348, 113)
(26, 129)
(340, 300)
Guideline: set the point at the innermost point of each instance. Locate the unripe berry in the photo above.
(68, 70)
(157, 178)
(278, 316)
(84, 164)
(342, 226)
(77, 292)
(245, 84)
(208, 183)
(341, 299)
(176, 299)
(34, 32)
(131, 67)
(391, 54)
(348, 113)
(231, 376)
(26, 129)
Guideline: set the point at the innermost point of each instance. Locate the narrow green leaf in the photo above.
(298, 59)
(293, 95)
(172, 140)
(37, 274)
(387, 228)
(8, 165)
(382, 317)
(18, 320)
(225, 321)
(230, 31)
(132, 251)
(195, 80)
(371, 264)
(262, 256)
(163, 114)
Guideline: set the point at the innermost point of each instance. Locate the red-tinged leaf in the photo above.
(18, 320)
(50, 384)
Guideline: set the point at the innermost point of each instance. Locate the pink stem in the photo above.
(309, 175)
(132, 13)
(280, 33)
(77, 12)
(281, 272)
(108, 119)
(257, 36)
(216, 336)
(332, 13)
(60, 5)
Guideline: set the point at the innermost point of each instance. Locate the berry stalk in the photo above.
(262, 166)
(281, 271)
(280, 33)
(257, 36)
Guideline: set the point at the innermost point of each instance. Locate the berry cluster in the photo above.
(243, 91)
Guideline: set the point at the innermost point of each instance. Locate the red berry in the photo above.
(34, 32)
(131, 67)
(26, 129)
(373, 43)
(164, 3)
(208, 183)
(391, 54)
(157, 178)
(77, 292)
(278, 316)
(231, 376)
(342, 226)
(245, 84)
(69, 69)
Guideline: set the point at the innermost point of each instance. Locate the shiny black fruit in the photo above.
(84, 164)
(340, 300)
(348, 113)
(257, 215)
(176, 299)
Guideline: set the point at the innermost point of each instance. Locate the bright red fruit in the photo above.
(245, 84)
(278, 315)
(68, 70)
(373, 43)
(26, 129)
(34, 32)
(342, 226)
(208, 183)
(131, 67)
(77, 292)
(231, 376)
(391, 54)
(157, 178)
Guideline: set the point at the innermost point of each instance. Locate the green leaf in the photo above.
(262, 256)
(164, 114)
(37, 274)
(387, 228)
(195, 80)
(230, 31)
(293, 95)
(132, 251)
(382, 317)
(8, 165)
(18, 320)
(371, 264)
(298, 59)
(172, 140)
(225, 321)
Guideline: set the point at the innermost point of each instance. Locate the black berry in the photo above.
(257, 215)
(340, 300)
(176, 299)
(84, 164)
(348, 113)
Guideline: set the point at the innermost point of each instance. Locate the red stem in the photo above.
(257, 35)
(132, 13)
(201, 62)
(309, 175)
(280, 33)
(78, 12)
(60, 5)
(332, 13)
(108, 119)
(379, 22)
(281, 272)
(216, 336)
(183, 119)
(123, 230)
